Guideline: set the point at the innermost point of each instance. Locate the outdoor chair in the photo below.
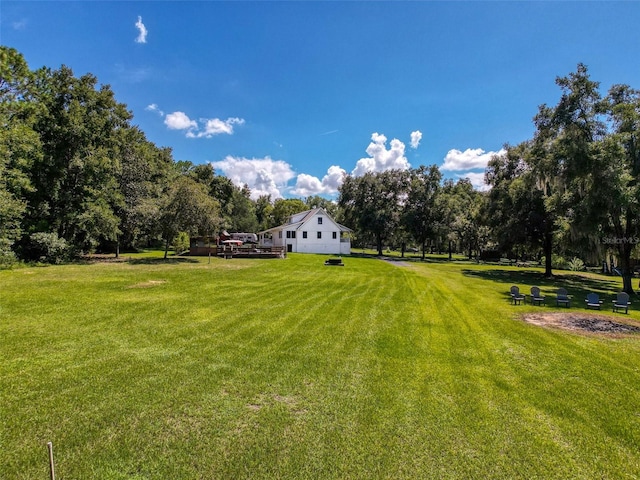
(563, 298)
(536, 298)
(516, 296)
(593, 301)
(621, 302)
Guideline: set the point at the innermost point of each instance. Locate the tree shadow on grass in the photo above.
(578, 286)
(161, 261)
(411, 258)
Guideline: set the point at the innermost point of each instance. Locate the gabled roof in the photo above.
(309, 214)
(306, 216)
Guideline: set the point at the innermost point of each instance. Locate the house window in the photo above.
(288, 234)
(319, 221)
(280, 234)
(304, 234)
(293, 234)
(335, 235)
(319, 234)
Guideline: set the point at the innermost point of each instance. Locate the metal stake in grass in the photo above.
(51, 466)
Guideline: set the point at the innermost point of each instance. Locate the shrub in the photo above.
(48, 248)
(181, 242)
(7, 257)
(576, 265)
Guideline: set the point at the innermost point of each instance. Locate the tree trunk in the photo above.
(423, 247)
(166, 248)
(547, 248)
(379, 244)
(624, 251)
(450, 256)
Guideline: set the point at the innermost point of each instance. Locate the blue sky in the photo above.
(287, 96)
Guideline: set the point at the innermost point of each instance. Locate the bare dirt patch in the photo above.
(581, 322)
(148, 284)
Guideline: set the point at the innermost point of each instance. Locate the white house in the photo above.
(313, 231)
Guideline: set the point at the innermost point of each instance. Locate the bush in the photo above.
(48, 248)
(181, 243)
(576, 265)
(7, 257)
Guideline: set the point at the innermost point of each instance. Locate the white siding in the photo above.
(312, 244)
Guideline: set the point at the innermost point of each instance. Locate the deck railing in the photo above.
(244, 251)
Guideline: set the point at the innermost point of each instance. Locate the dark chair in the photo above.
(593, 301)
(536, 298)
(563, 298)
(516, 296)
(621, 302)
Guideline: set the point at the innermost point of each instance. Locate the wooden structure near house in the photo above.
(205, 246)
(250, 251)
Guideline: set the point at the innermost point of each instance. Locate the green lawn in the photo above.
(290, 369)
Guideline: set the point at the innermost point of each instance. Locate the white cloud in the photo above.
(180, 121)
(381, 159)
(334, 178)
(142, 31)
(415, 138)
(19, 25)
(476, 179)
(209, 128)
(468, 160)
(215, 126)
(264, 176)
(307, 185)
(154, 108)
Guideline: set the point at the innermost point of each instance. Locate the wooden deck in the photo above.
(242, 251)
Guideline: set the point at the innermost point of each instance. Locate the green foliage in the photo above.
(329, 206)
(72, 164)
(576, 179)
(181, 242)
(420, 216)
(264, 212)
(188, 208)
(243, 214)
(558, 262)
(576, 265)
(48, 248)
(19, 145)
(373, 203)
(144, 172)
(7, 257)
(284, 208)
(459, 220)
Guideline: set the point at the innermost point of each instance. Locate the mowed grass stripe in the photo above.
(486, 368)
(289, 369)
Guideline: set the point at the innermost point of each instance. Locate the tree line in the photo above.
(77, 176)
(572, 190)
